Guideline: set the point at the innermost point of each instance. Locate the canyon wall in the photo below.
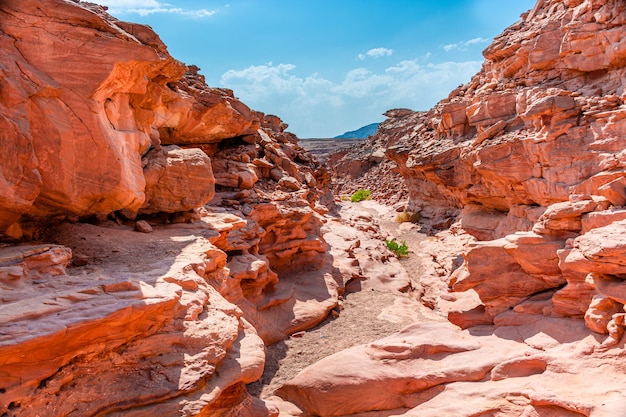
(98, 118)
(159, 233)
(529, 156)
(541, 121)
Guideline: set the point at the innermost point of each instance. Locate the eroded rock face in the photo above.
(528, 158)
(79, 113)
(502, 146)
(177, 180)
(366, 167)
(139, 336)
(173, 321)
(433, 369)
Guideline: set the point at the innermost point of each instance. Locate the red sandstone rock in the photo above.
(499, 155)
(173, 322)
(411, 373)
(79, 115)
(505, 140)
(141, 334)
(177, 180)
(502, 284)
(182, 318)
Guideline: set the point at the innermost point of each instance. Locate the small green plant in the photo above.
(400, 249)
(345, 198)
(407, 216)
(360, 195)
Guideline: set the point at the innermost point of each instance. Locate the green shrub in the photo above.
(400, 249)
(360, 195)
(407, 216)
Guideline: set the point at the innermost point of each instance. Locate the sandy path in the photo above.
(363, 316)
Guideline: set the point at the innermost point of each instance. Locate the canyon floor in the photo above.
(362, 317)
(527, 364)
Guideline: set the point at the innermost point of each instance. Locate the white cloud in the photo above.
(463, 46)
(476, 41)
(129, 4)
(148, 7)
(316, 107)
(376, 53)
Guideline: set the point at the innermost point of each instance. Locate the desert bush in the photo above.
(400, 249)
(407, 216)
(360, 195)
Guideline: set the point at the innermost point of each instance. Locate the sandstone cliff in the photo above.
(532, 145)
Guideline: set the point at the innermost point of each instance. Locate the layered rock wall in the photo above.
(528, 156)
(86, 103)
(543, 119)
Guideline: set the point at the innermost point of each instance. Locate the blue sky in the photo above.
(328, 66)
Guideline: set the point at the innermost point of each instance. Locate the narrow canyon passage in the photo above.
(362, 316)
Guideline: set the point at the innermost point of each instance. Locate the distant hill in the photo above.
(361, 133)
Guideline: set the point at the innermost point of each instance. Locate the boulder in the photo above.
(503, 284)
(390, 373)
(177, 180)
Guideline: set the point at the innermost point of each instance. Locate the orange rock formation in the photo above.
(106, 136)
(528, 155)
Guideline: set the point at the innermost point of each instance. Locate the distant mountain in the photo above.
(361, 133)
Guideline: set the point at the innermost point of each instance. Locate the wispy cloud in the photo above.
(463, 46)
(376, 53)
(313, 104)
(148, 7)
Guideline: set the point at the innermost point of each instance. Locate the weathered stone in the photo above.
(600, 312)
(143, 226)
(177, 180)
(111, 99)
(525, 110)
(615, 191)
(536, 254)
